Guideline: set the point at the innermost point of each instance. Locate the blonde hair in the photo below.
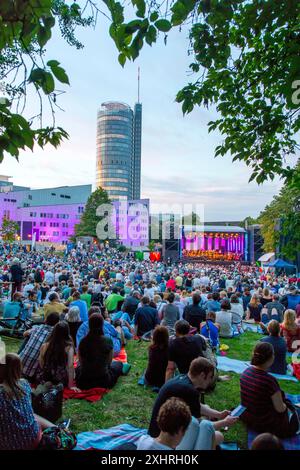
(289, 319)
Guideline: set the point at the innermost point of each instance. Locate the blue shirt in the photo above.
(212, 333)
(213, 306)
(280, 350)
(109, 331)
(81, 304)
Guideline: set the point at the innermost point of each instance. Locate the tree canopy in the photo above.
(244, 63)
(89, 220)
(8, 230)
(284, 210)
(245, 60)
(26, 26)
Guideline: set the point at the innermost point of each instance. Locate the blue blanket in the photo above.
(109, 439)
(234, 365)
(293, 443)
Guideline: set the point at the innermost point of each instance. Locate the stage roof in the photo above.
(214, 228)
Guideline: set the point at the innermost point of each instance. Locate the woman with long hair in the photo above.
(266, 297)
(254, 309)
(290, 330)
(267, 409)
(96, 366)
(20, 428)
(56, 363)
(157, 357)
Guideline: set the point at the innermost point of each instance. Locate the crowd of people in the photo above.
(86, 305)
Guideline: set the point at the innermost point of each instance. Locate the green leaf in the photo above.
(154, 16)
(163, 25)
(60, 74)
(48, 84)
(43, 36)
(122, 59)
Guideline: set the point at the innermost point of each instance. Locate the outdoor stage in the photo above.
(214, 244)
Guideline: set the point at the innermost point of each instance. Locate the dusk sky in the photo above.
(178, 164)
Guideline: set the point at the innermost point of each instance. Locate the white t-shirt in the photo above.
(149, 443)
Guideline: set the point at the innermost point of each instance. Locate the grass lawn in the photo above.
(131, 403)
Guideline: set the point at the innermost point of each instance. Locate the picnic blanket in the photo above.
(91, 395)
(109, 439)
(292, 443)
(234, 365)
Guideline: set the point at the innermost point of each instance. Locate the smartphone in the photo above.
(238, 411)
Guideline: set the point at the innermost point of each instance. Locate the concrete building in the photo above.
(50, 213)
(131, 220)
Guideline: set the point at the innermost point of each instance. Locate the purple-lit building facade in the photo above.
(51, 213)
(131, 222)
(223, 243)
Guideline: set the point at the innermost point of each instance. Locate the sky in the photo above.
(178, 164)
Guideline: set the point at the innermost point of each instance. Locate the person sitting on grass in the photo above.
(224, 319)
(20, 428)
(173, 420)
(81, 304)
(158, 354)
(210, 329)
(54, 305)
(33, 341)
(204, 435)
(56, 361)
(280, 348)
(96, 367)
(183, 348)
(194, 314)
(146, 318)
(290, 330)
(254, 309)
(109, 331)
(267, 441)
(267, 409)
(74, 322)
(170, 314)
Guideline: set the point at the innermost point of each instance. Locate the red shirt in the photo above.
(171, 284)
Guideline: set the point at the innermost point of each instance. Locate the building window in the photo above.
(30, 197)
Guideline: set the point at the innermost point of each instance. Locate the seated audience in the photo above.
(109, 331)
(224, 319)
(267, 409)
(275, 308)
(280, 348)
(170, 314)
(194, 314)
(146, 318)
(158, 354)
(210, 329)
(173, 420)
(54, 305)
(34, 340)
(200, 378)
(96, 367)
(290, 330)
(267, 441)
(213, 304)
(20, 428)
(81, 304)
(254, 309)
(183, 348)
(56, 362)
(74, 322)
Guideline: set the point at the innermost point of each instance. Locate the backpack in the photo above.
(57, 438)
(47, 400)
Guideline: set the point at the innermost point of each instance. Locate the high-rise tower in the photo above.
(118, 169)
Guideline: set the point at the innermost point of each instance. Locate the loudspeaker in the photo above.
(170, 250)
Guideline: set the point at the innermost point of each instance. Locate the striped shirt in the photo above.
(257, 388)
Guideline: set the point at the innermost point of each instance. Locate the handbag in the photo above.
(57, 438)
(47, 400)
